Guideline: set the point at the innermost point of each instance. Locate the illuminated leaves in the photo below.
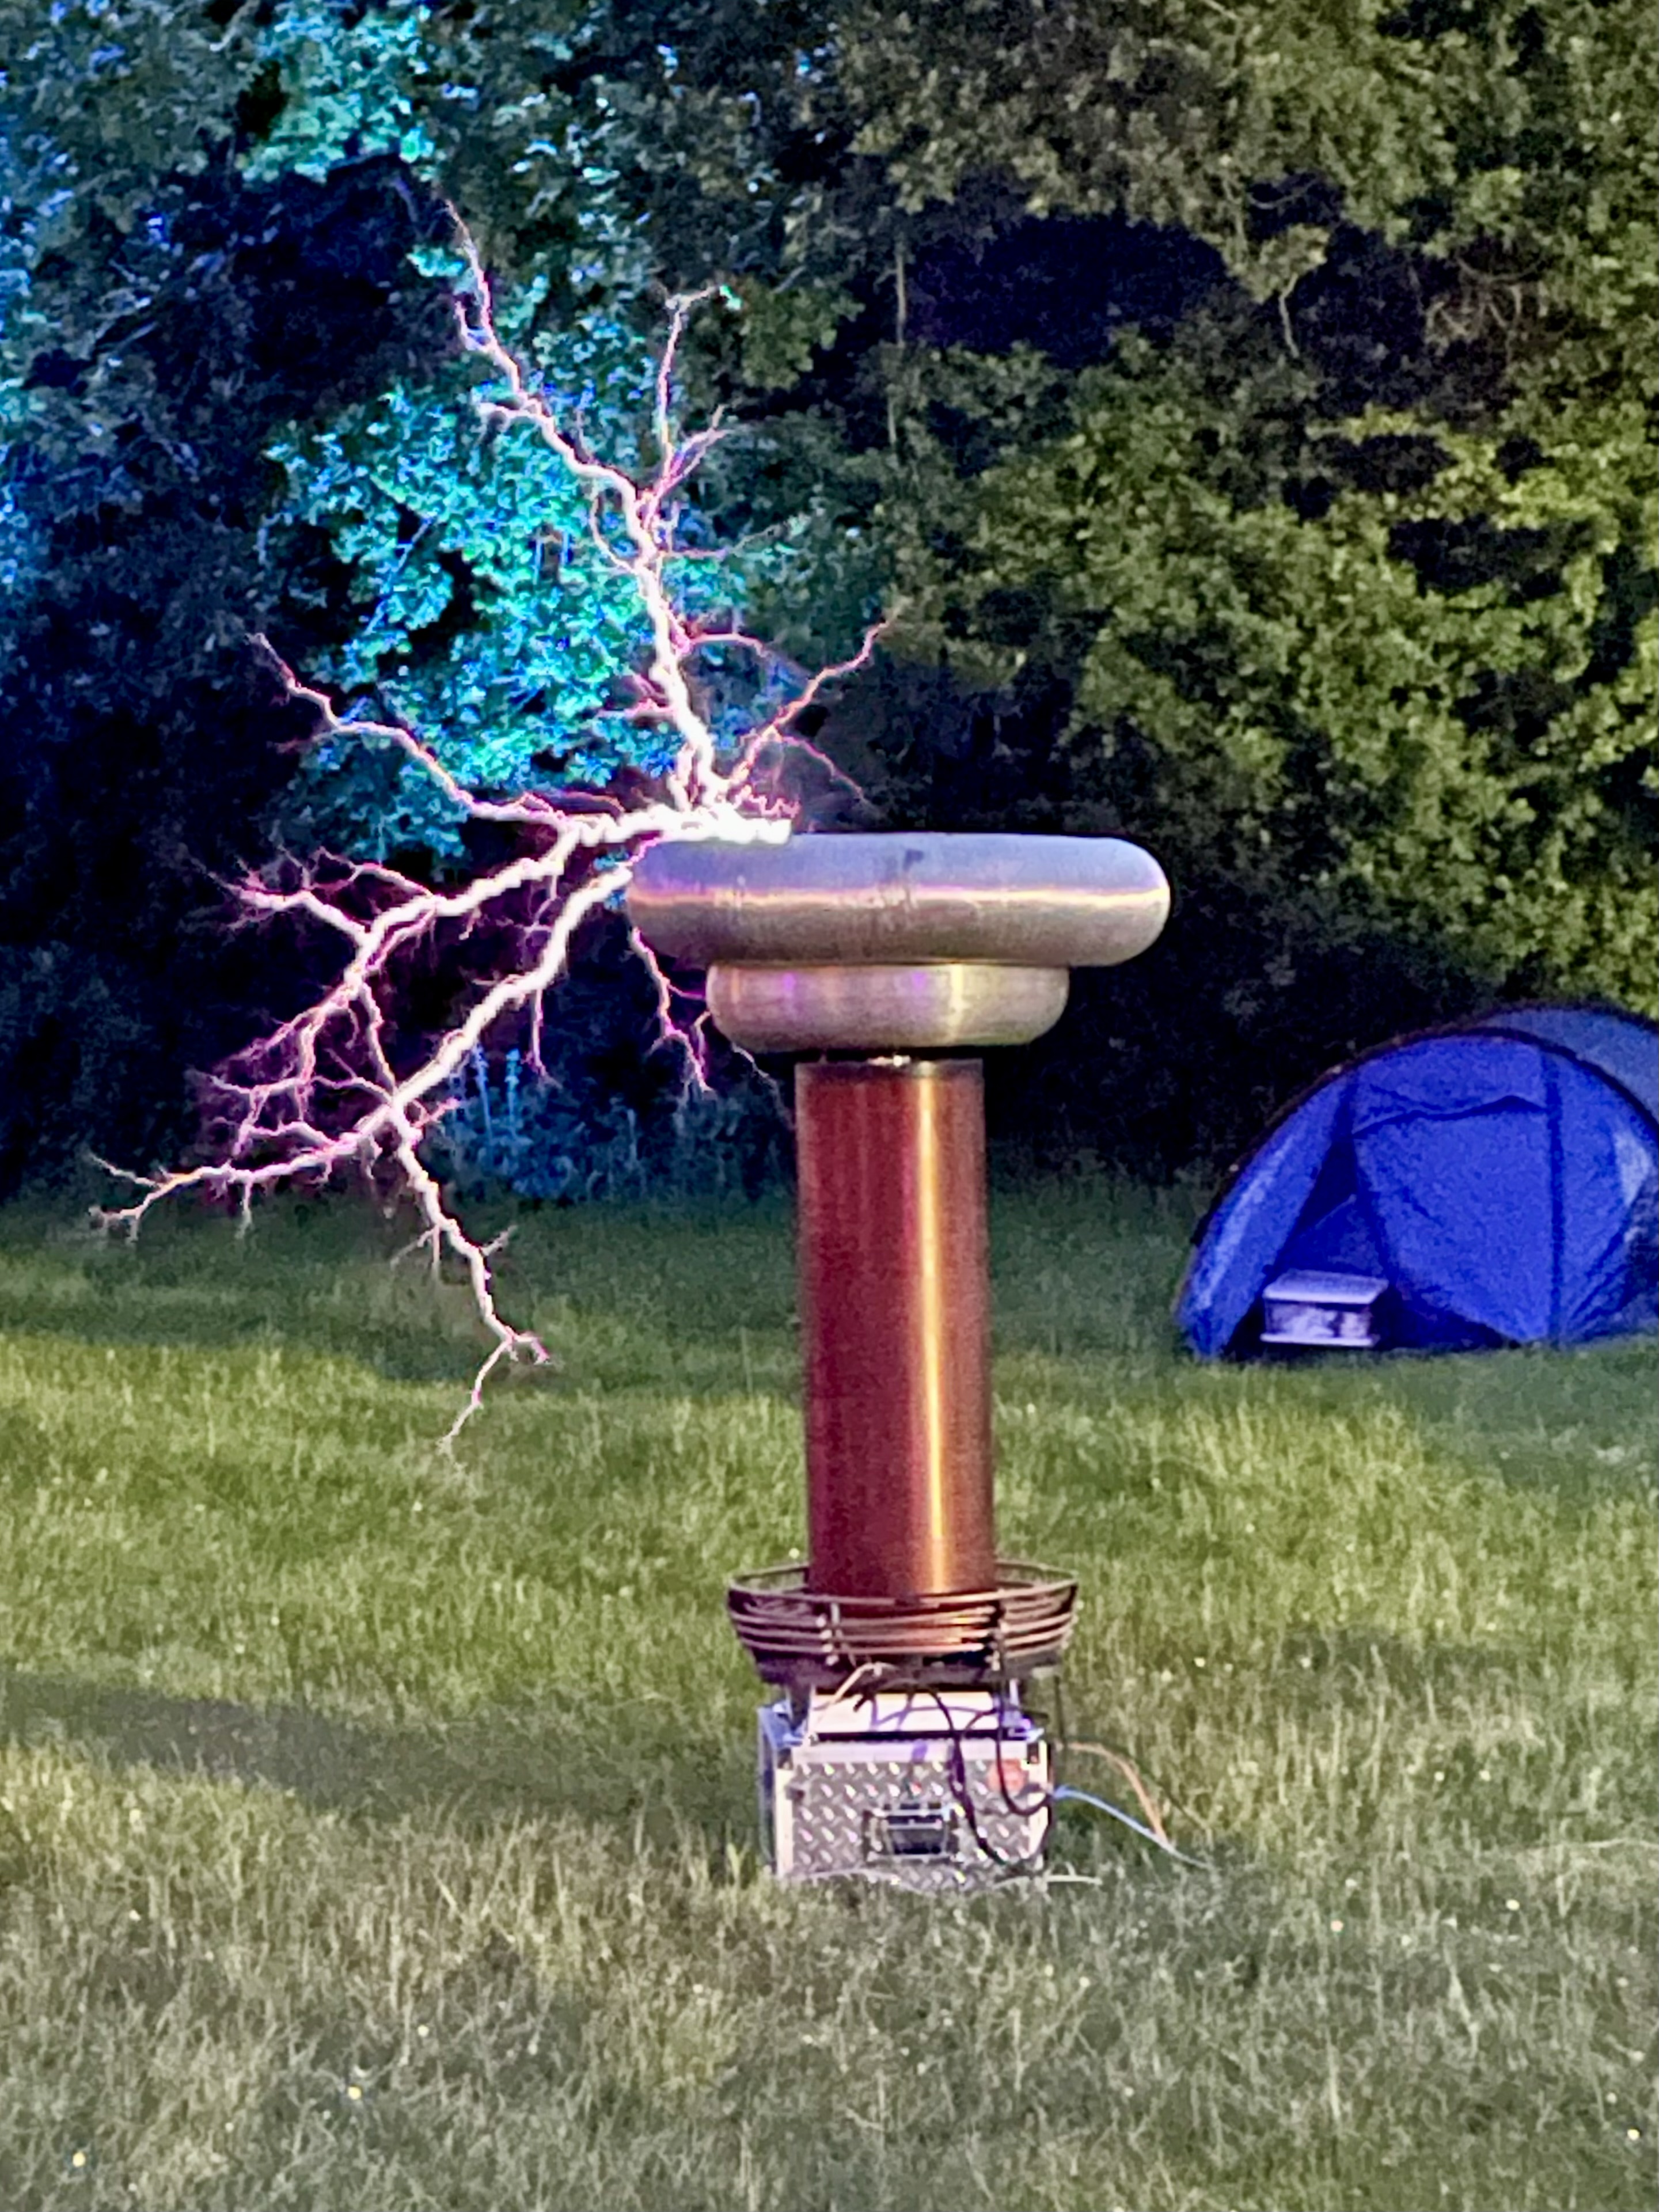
(416, 491)
(346, 88)
(782, 331)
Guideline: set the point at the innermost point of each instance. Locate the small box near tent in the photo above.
(1489, 1184)
(1314, 1311)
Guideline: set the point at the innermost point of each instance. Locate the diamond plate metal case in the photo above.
(873, 1789)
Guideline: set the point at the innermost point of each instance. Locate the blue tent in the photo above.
(1501, 1178)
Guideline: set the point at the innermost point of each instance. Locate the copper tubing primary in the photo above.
(895, 1326)
(812, 1639)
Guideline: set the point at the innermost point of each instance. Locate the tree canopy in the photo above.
(1377, 627)
(1248, 408)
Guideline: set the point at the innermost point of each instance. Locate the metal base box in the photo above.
(926, 1790)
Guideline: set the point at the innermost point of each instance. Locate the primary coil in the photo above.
(813, 1640)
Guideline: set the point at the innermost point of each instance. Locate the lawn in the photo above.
(378, 1831)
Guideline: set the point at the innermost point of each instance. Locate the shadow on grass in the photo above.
(325, 1277)
(436, 1358)
(654, 1775)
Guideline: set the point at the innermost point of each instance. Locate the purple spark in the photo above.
(331, 1089)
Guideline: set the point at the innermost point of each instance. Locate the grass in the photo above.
(378, 1831)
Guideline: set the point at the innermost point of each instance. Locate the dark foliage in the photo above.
(143, 759)
(1175, 1061)
(1064, 286)
(620, 1111)
(144, 743)
(149, 751)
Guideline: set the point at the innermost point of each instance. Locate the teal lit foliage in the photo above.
(497, 624)
(416, 499)
(347, 88)
(420, 501)
(553, 1139)
(21, 549)
(529, 1138)
(33, 195)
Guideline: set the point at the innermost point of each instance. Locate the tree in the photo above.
(1392, 273)
(163, 319)
(235, 410)
(1371, 637)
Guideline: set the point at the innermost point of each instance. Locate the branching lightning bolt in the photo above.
(321, 1093)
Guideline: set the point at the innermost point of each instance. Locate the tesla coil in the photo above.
(896, 1745)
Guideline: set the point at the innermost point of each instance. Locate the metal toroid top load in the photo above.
(897, 942)
(899, 947)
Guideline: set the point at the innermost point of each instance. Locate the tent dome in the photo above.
(1501, 1179)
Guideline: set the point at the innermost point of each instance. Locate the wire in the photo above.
(872, 1675)
(1020, 1809)
(864, 1683)
(1155, 1833)
(1154, 1783)
(1047, 1800)
(1065, 1794)
(1020, 1863)
(1126, 1767)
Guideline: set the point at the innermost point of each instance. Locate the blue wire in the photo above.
(1065, 1793)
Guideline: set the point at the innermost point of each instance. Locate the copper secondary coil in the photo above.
(895, 1326)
